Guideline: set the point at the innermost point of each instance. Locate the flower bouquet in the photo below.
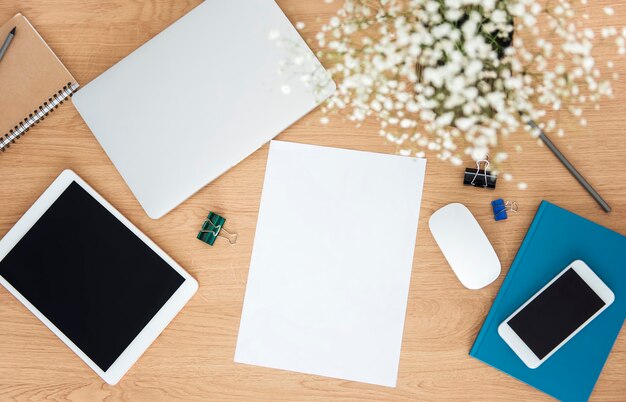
(455, 77)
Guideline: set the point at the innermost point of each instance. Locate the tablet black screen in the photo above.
(90, 275)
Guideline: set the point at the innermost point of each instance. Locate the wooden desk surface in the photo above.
(193, 358)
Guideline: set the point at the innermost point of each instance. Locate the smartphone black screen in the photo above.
(557, 312)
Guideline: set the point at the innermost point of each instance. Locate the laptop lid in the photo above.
(201, 96)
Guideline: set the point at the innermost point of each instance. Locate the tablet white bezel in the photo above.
(519, 346)
(156, 325)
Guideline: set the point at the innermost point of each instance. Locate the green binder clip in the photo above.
(212, 227)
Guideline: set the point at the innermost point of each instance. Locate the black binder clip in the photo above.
(480, 177)
(212, 227)
(500, 208)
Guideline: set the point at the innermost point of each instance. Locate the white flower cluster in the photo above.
(454, 76)
(298, 61)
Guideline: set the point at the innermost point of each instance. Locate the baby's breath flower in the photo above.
(454, 76)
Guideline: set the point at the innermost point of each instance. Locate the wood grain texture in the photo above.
(193, 358)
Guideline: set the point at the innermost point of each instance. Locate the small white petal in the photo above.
(273, 34)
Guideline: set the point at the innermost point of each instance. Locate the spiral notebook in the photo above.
(33, 81)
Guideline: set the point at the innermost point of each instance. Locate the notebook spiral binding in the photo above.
(39, 114)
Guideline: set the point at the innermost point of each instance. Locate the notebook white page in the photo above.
(331, 264)
(201, 96)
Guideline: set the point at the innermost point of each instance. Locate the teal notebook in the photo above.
(555, 238)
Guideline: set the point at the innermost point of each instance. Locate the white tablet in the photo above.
(92, 277)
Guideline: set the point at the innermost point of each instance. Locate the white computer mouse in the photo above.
(465, 246)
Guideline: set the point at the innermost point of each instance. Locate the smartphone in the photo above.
(556, 313)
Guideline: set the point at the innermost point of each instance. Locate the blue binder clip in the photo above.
(500, 208)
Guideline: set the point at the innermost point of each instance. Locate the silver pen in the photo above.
(570, 167)
(7, 42)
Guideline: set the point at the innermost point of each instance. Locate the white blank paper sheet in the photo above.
(331, 264)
